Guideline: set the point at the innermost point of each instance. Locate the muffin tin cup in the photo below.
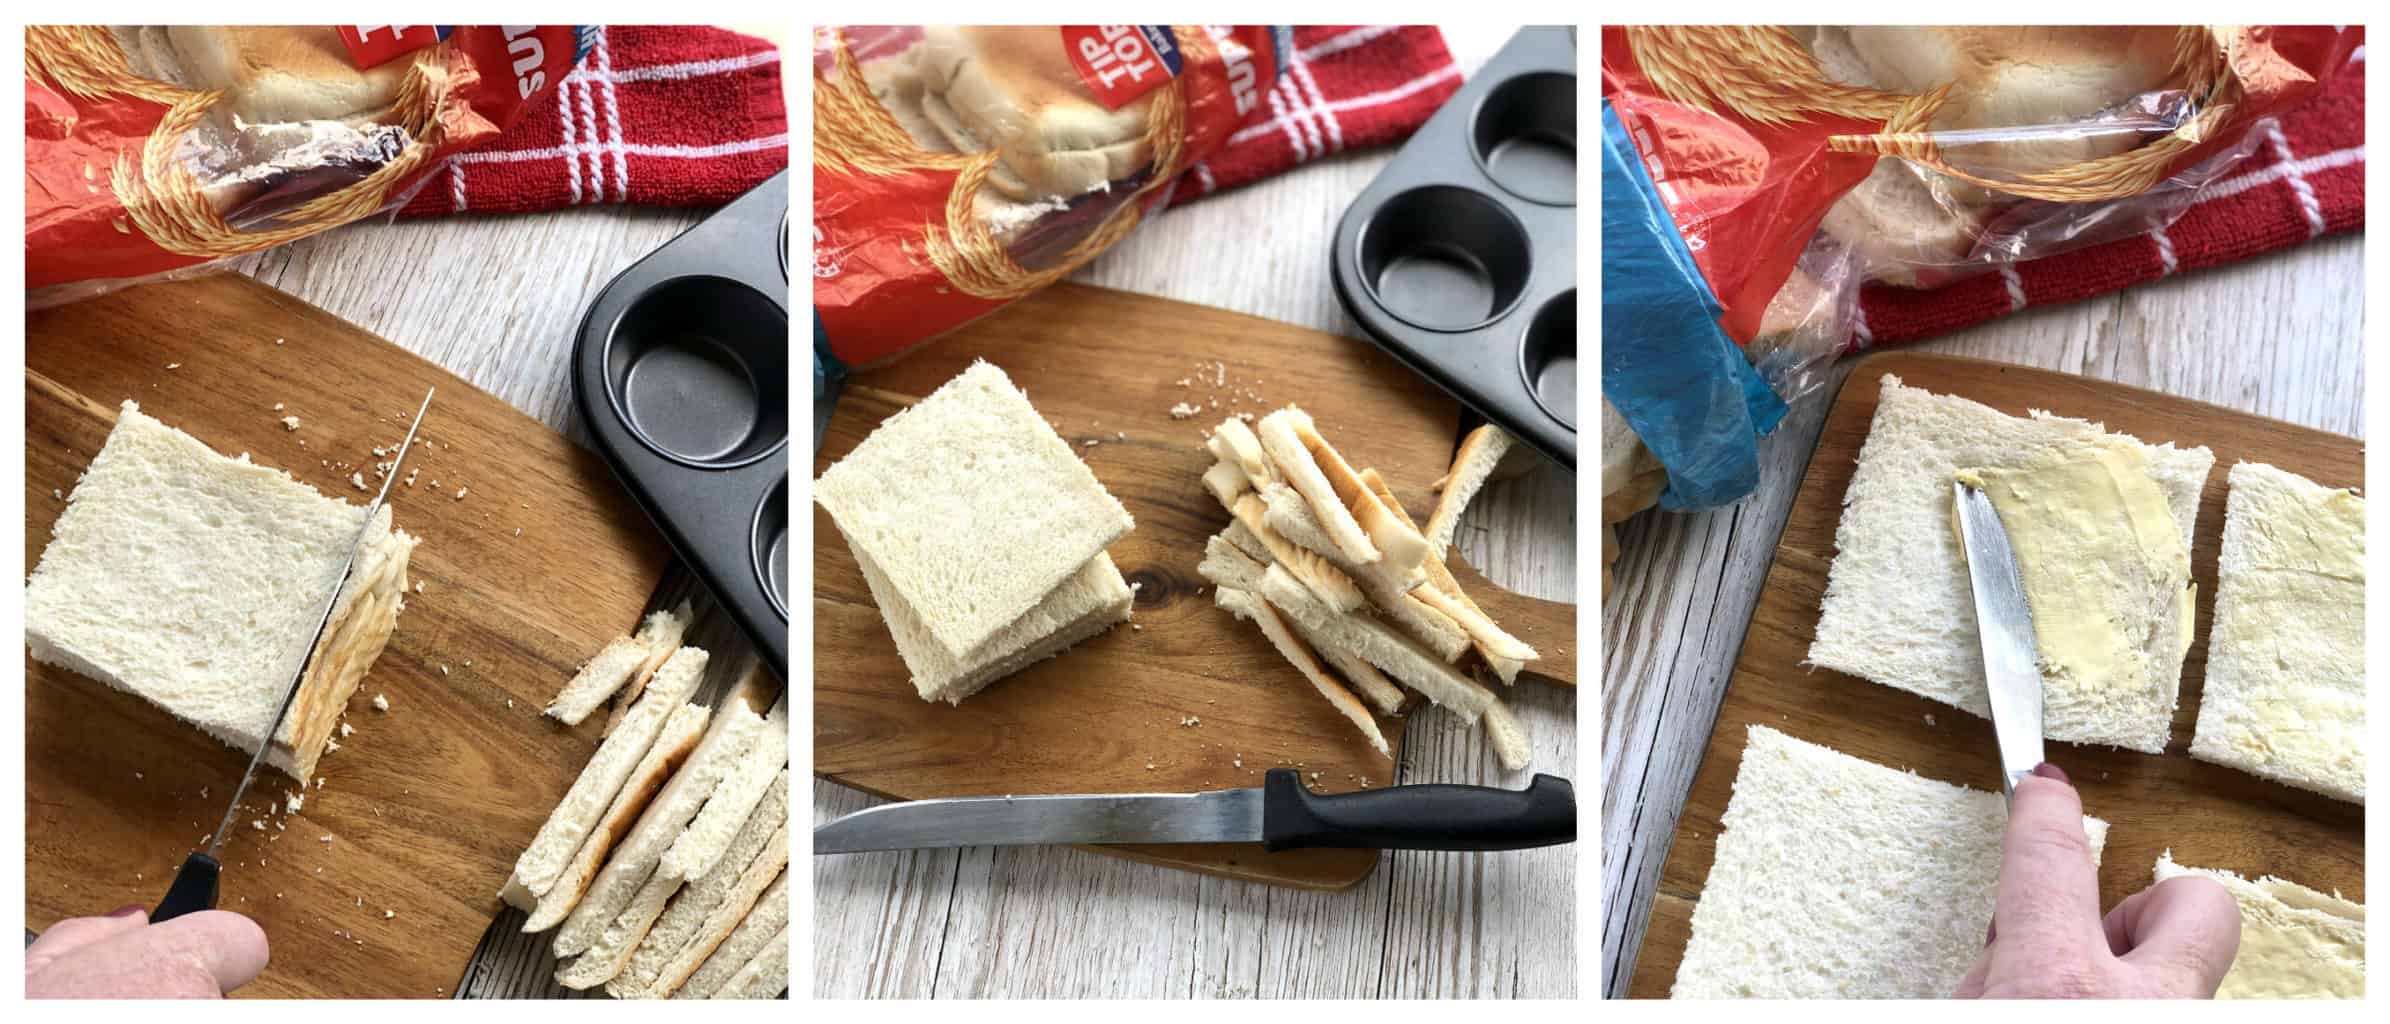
(1460, 259)
(681, 374)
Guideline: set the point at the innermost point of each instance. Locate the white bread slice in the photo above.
(1440, 577)
(709, 835)
(613, 667)
(1390, 595)
(1095, 594)
(1225, 481)
(671, 749)
(764, 925)
(543, 861)
(2285, 696)
(763, 977)
(662, 632)
(973, 508)
(735, 729)
(195, 581)
(1377, 643)
(1282, 439)
(1244, 605)
(1897, 609)
(1310, 568)
(2296, 943)
(1472, 465)
(1084, 628)
(1233, 441)
(708, 909)
(1508, 736)
(1841, 878)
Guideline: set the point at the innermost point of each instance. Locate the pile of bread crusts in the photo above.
(1332, 568)
(664, 868)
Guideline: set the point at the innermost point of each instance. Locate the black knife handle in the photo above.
(194, 889)
(1438, 817)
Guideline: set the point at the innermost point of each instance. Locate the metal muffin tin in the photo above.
(1461, 258)
(681, 374)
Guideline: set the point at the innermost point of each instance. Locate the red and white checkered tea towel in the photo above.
(1344, 87)
(2305, 179)
(653, 116)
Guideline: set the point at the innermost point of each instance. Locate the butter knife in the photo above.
(2004, 624)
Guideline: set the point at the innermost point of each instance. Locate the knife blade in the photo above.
(2004, 624)
(195, 883)
(1280, 814)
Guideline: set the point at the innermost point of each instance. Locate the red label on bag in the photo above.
(374, 45)
(1121, 62)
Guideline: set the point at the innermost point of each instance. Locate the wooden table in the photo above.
(2279, 336)
(1063, 923)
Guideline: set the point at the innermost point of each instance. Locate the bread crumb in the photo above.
(518, 531)
(1139, 627)
(277, 407)
(443, 670)
(56, 493)
(1184, 411)
(1929, 719)
(138, 775)
(1089, 443)
(1189, 722)
(319, 782)
(174, 366)
(277, 341)
(381, 702)
(419, 586)
(289, 423)
(291, 802)
(258, 824)
(510, 703)
(460, 493)
(411, 475)
(357, 480)
(1149, 766)
(331, 745)
(325, 838)
(347, 730)
(388, 914)
(1120, 435)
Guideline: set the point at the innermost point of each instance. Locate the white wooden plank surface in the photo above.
(2280, 336)
(1062, 923)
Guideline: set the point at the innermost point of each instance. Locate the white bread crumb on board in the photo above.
(174, 366)
(277, 341)
(277, 407)
(56, 493)
(357, 481)
(381, 702)
(289, 422)
(443, 670)
(460, 493)
(258, 824)
(1089, 443)
(326, 837)
(347, 730)
(1183, 411)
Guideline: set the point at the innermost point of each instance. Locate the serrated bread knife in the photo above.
(1280, 814)
(2004, 623)
(194, 885)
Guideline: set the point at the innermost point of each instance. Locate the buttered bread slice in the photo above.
(2285, 697)
(2296, 943)
(194, 581)
(1897, 608)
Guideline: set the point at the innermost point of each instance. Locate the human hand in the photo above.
(123, 956)
(2173, 940)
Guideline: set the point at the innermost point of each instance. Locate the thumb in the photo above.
(2187, 929)
(2049, 894)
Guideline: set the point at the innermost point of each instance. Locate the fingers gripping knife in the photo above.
(194, 885)
(2004, 623)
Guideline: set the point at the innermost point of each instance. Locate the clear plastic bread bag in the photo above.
(167, 150)
(957, 168)
(1800, 162)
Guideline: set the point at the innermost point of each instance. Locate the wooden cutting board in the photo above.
(2210, 815)
(427, 804)
(1112, 715)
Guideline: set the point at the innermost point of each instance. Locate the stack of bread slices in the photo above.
(980, 533)
(664, 868)
(1335, 572)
